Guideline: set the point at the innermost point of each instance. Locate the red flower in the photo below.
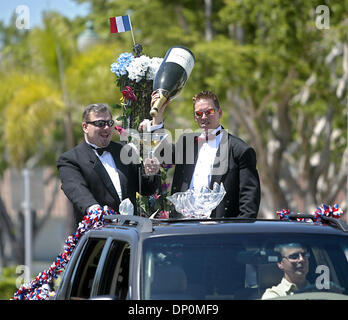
(121, 131)
(163, 214)
(128, 94)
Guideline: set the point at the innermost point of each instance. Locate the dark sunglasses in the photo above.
(101, 123)
(207, 112)
(296, 256)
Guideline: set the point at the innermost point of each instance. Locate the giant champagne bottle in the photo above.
(172, 75)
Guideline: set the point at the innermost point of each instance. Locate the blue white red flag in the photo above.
(120, 24)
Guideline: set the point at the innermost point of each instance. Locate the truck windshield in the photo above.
(242, 266)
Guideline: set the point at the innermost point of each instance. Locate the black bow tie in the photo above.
(101, 150)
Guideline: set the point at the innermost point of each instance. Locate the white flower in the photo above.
(154, 66)
(143, 68)
(138, 68)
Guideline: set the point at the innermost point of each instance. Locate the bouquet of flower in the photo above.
(134, 77)
(158, 203)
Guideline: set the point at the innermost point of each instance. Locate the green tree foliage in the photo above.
(8, 280)
(32, 112)
(88, 77)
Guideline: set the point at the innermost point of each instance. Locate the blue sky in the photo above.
(66, 7)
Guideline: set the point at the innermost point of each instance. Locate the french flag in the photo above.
(120, 24)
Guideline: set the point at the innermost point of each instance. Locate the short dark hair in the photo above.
(206, 95)
(280, 247)
(96, 108)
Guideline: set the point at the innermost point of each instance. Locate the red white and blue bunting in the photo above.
(39, 289)
(323, 210)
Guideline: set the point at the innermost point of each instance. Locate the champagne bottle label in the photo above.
(183, 58)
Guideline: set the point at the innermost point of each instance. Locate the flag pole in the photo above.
(130, 23)
(137, 47)
(133, 37)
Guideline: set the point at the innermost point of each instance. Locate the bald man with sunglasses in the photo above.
(214, 155)
(100, 172)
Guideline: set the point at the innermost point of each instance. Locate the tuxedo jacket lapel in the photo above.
(100, 170)
(102, 173)
(221, 162)
(190, 168)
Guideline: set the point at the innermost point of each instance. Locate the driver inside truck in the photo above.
(294, 262)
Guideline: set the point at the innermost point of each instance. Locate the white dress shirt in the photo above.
(205, 160)
(202, 175)
(110, 166)
(284, 288)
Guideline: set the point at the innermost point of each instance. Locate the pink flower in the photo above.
(121, 131)
(128, 94)
(163, 214)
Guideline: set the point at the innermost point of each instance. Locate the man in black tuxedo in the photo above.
(100, 172)
(215, 156)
